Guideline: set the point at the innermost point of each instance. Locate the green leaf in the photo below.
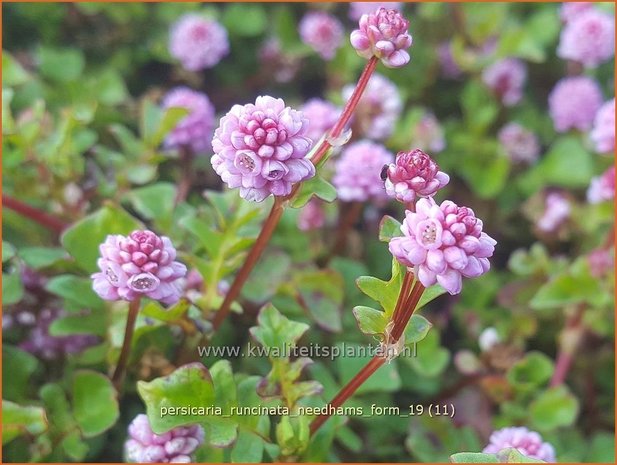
(322, 294)
(389, 228)
(370, 321)
(248, 448)
(89, 323)
(430, 294)
(83, 238)
(431, 359)
(188, 385)
(473, 457)
(384, 292)
(417, 329)
(317, 186)
(13, 74)
(18, 420)
(512, 455)
(275, 330)
(533, 370)
(292, 434)
(61, 65)
(12, 288)
(353, 357)
(156, 122)
(154, 201)
(155, 310)
(75, 289)
(17, 368)
(268, 274)
(95, 402)
(554, 408)
(245, 20)
(41, 257)
(8, 251)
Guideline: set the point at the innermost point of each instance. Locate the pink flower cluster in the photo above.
(197, 42)
(571, 10)
(175, 446)
(195, 129)
(357, 171)
(385, 35)
(556, 211)
(311, 216)
(357, 9)
(573, 103)
(506, 79)
(378, 109)
(603, 132)
(443, 243)
(521, 145)
(588, 37)
(322, 32)
(602, 188)
(140, 264)
(601, 262)
(529, 443)
(261, 149)
(322, 116)
(428, 134)
(414, 174)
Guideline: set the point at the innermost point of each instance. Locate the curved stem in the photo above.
(118, 376)
(39, 216)
(260, 244)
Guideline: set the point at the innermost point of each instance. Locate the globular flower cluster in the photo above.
(140, 264)
(357, 171)
(42, 344)
(602, 188)
(588, 37)
(175, 446)
(573, 103)
(197, 42)
(261, 149)
(443, 243)
(385, 35)
(601, 261)
(521, 145)
(428, 134)
(378, 109)
(311, 216)
(603, 132)
(195, 129)
(322, 116)
(506, 79)
(529, 443)
(557, 210)
(571, 10)
(357, 9)
(322, 32)
(414, 174)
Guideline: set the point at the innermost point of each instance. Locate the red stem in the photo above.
(260, 244)
(405, 287)
(118, 376)
(571, 337)
(42, 218)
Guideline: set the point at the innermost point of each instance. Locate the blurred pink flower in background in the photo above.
(588, 37)
(601, 261)
(573, 103)
(603, 132)
(261, 148)
(384, 34)
(322, 32)
(379, 108)
(428, 134)
(529, 443)
(571, 10)
(443, 243)
(506, 79)
(198, 42)
(557, 209)
(521, 145)
(195, 129)
(449, 67)
(311, 216)
(602, 188)
(283, 66)
(357, 9)
(322, 115)
(358, 169)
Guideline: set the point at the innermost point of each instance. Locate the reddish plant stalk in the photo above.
(570, 339)
(349, 217)
(118, 376)
(42, 218)
(405, 287)
(408, 306)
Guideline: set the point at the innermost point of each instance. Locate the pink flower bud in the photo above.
(521, 145)
(506, 79)
(529, 443)
(322, 32)
(197, 42)
(573, 103)
(588, 37)
(602, 188)
(556, 211)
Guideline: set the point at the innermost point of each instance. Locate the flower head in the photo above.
(602, 188)
(322, 116)
(443, 243)
(311, 216)
(428, 134)
(529, 443)
(197, 42)
(384, 34)
(506, 79)
(556, 210)
(588, 38)
(603, 132)
(521, 145)
(571, 10)
(322, 32)
(357, 9)
(573, 103)
(195, 129)
(357, 171)
(175, 446)
(601, 261)
(141, 263)
(260, 148)
(378, 108)
(414, 174)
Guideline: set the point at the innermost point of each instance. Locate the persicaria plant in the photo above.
(251, 232)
